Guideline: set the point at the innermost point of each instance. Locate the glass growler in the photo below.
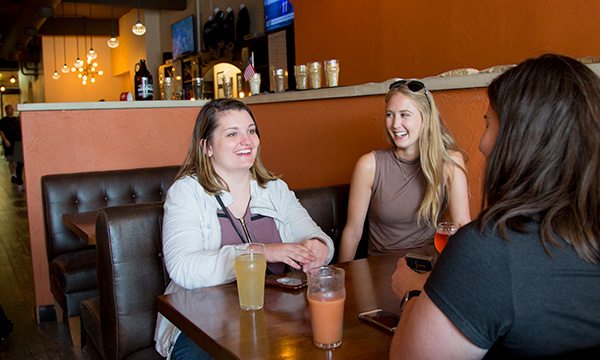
(143, 82)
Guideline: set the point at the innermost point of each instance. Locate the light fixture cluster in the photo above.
(87, 70)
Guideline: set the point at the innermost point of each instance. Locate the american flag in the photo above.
(249, 71)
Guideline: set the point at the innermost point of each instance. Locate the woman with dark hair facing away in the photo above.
(223, 196)
(407, 188)
(523, 279)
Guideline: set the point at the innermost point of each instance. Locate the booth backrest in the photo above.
(131, 274)
(90, 191)
(328, 206)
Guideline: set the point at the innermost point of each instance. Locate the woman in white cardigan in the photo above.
(221, 183)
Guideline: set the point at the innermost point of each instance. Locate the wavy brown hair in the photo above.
(198, 163)
(435, 145)
(545, 163)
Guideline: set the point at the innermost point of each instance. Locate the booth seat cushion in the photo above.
(90, 316)
(75, 271)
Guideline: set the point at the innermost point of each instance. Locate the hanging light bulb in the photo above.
(78, 62)
(138, 28)
(65, 67)
(56, 75)
(13, 80)
(112, 42)
(91, 54)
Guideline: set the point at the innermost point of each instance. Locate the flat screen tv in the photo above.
(183, 36)
(278, 14)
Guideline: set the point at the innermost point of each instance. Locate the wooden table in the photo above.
(281, 330)
(83, 225)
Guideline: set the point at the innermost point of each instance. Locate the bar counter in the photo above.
(479, 80)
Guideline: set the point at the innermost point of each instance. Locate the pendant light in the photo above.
(112, 42)
(91, 54)
(56, 75)
(138, 28)
(78, 62)
(65, 67)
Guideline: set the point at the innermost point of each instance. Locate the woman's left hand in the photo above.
(320, 250)
(405, 279)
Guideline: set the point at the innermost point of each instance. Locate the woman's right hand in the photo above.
(295, 255)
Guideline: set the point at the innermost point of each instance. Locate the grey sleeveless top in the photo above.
(398, 191)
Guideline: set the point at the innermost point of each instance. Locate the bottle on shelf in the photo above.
(143, 82)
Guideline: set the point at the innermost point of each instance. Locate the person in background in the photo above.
(10, 131)
(523, 279)
(6, 327)
(221, 197)
(405, 189)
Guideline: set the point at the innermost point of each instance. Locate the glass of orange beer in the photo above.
(444, 231)
(326, 297)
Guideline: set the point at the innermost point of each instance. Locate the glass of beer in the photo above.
(326, 297)
(250, 266)
(444, 231)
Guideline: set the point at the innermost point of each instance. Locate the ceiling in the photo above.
(22, 22)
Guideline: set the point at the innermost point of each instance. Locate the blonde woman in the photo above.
(404, 190)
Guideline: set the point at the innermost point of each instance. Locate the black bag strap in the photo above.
(269, 272)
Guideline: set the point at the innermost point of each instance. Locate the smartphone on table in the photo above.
(419, 263)
(382, 318)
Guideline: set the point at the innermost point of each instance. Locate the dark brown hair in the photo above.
(545, 163)
(197, 163)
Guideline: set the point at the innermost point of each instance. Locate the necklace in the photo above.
(400, 164)
(402, 169)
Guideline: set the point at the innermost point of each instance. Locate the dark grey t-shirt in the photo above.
(514, 298)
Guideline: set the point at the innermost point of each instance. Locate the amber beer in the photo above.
(444, 231)
(326, 297)
(250, 266)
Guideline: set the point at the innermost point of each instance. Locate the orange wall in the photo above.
(383, 39)
(311, 143)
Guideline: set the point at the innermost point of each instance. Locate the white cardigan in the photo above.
(191, 236)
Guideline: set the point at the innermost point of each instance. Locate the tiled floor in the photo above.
(29, 340)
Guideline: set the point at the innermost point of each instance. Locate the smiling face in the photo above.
(403, 122)
(488, 139)
(234, 143)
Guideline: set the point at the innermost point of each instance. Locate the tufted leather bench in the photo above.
(131, 273)
(72, 262)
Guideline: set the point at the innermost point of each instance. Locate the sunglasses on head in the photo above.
(413, 85)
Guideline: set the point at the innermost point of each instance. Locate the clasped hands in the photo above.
(306, 255)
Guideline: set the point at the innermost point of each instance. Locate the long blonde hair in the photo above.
(435, 146)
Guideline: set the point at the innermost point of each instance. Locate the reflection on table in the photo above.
(281, 330)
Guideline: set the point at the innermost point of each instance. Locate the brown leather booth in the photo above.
(131, 274)
(72, 262)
